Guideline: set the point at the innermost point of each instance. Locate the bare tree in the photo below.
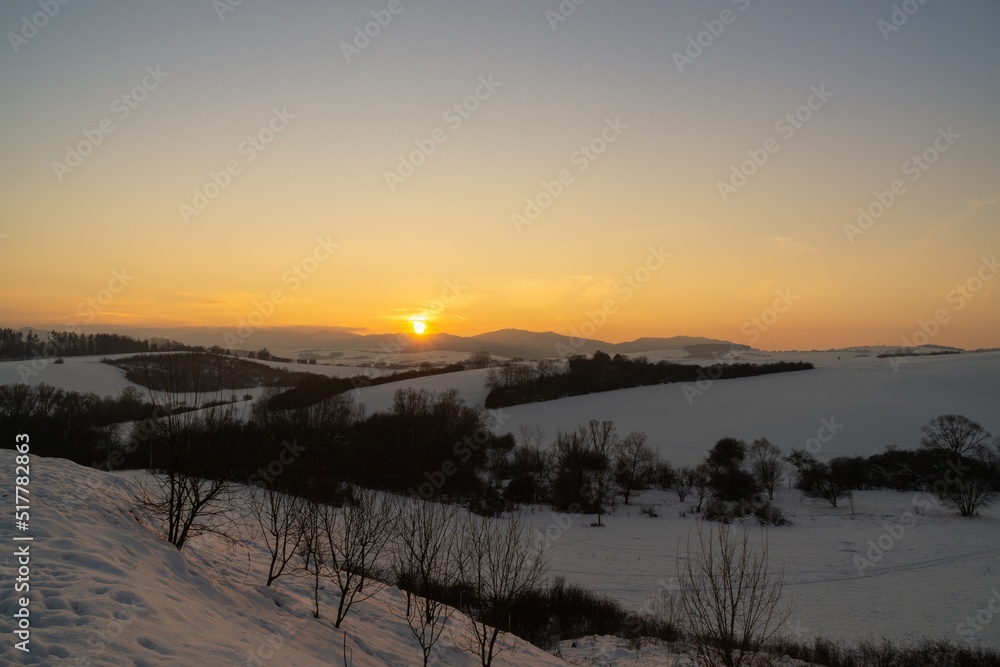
(188, 488)
(766, 464)
(509, 374)
(701, 481)
(356, 536)
(969, 494)
(498, 564)
(954, 434)
(969, 480)
(481, 359)
(800, 460)
(188, 503)
(731, 600)
(683, 484)
(278, 515)
(532, 437)
(427, 565)
(634, 462)
(602, 443)
(313, 549)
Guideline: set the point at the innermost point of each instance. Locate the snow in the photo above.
(82, 374)
(105, 590)
(937, 570)
(869, 402)
(471, 385)
(938, 573)
(327, 370)
(928, 570)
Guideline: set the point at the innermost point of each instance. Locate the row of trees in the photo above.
(958, 460)
(202, 373)
(67, 424)
(16, 344)
(591, 467)
(365, 540)
(514, 383)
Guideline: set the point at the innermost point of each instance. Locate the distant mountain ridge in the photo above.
(503, 343)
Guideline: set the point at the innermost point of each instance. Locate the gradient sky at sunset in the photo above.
(443, 243)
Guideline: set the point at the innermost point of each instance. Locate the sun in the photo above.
(419, 326)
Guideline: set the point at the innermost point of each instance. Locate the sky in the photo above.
(788, 175)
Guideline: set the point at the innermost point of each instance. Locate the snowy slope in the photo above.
(867, 402)
(470, 384)
(106, 591)
(82, 374)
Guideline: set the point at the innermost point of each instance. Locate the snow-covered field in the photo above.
(891, 569)
(847, 406)
(869, 402)
(924, 572)
(83, 374)
(939, 571)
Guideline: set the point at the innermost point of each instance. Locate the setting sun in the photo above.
(419, 326)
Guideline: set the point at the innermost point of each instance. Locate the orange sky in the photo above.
(645, 225)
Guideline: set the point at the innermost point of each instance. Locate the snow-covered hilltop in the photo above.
(106, 590)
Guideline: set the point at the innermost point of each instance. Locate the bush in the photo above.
(723, 512)
(727, 512)
(564, 611)
(886, 653)
(768, 515)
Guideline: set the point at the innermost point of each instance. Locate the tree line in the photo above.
(15, 345)
(514, 383)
